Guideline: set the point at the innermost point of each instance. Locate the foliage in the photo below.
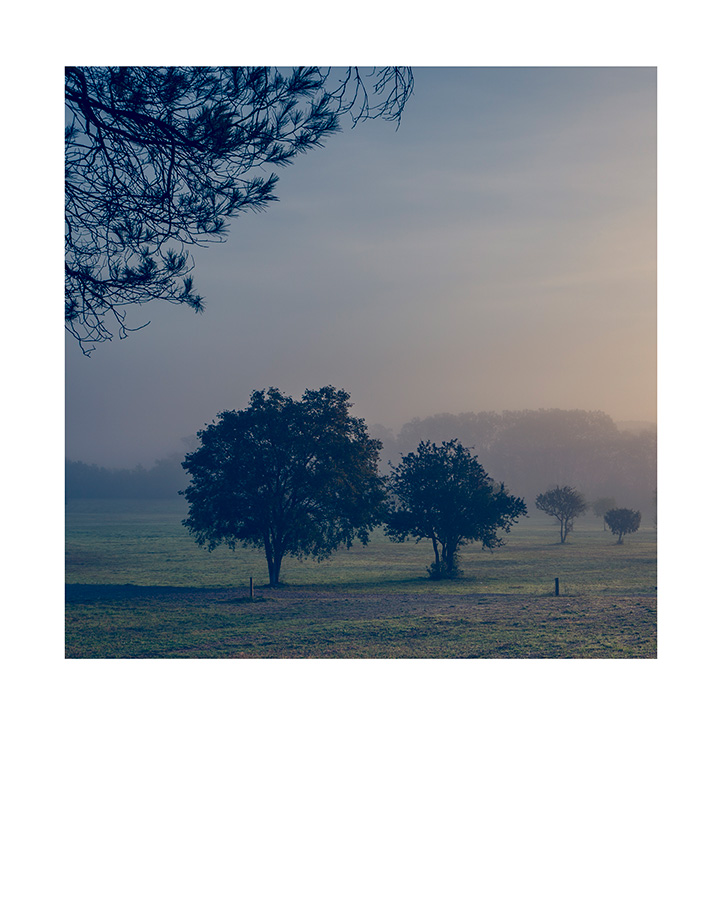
(565, 504)
(622, 521)
(442, 493)
(290, 477)
(157, 159)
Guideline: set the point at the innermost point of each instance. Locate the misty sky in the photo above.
(496, 252)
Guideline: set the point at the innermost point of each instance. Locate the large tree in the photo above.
(442, 493)
(563, 503)
(622, 521)
(158, 159)
(291, 477)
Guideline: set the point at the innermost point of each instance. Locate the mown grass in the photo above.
(138, 586)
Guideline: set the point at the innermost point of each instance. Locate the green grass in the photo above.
(138, 586)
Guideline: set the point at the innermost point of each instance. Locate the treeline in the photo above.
(532, 450)
(159, 482)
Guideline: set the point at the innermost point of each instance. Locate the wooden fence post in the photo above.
(557, 587)
(251, 588)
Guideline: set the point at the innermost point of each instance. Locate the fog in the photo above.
(496, 252)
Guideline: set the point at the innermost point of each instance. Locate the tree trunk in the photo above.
(449, 558)
(437, 555)
(273, 563)
(273, 571)
(271, 568)
(269, 559)
(278, 552)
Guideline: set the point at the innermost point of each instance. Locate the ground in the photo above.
(138, 587)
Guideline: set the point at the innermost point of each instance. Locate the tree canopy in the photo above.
(622, 521)
(565, 504)
(442, 493)
(291, 477)
(158, 159)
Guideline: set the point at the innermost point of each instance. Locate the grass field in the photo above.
(138, 587)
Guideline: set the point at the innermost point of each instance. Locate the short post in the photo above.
(251, 588)
(557, 587)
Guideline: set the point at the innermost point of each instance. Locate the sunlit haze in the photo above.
(496, 252)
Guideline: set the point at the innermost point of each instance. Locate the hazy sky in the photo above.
(495, 252)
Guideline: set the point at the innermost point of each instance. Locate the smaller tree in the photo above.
(444, 494)
(622, 521)
(565, 504)
(601, 506)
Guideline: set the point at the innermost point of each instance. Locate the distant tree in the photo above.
(622, 521)
(291, 477)
(442, 493)
(388, 440)
(602, 505)
(565, 504)
(158, 159)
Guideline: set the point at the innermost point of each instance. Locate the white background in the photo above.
(337, 779)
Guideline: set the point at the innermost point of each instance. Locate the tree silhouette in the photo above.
(158, 159)
(565, 504)
(622, 521)
(291, 477)
(444, 494)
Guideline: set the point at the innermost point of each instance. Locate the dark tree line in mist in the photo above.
(530, 451)
(163, 480)
(533, 450)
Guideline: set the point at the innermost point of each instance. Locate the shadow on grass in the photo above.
(237, 601)
(101, 593)
(369, 586)
(421, 585)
